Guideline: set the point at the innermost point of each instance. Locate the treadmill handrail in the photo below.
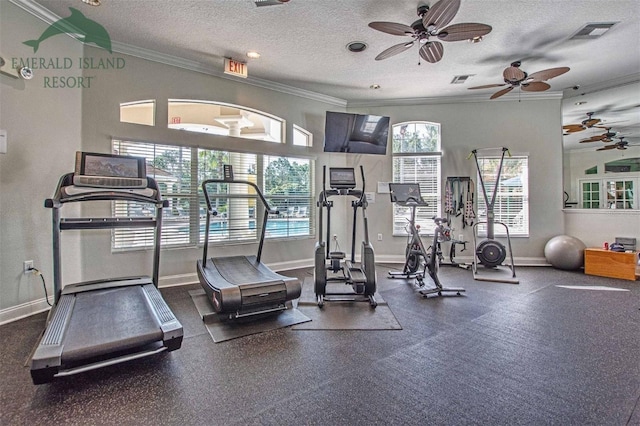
(59, 223)
(212, 211)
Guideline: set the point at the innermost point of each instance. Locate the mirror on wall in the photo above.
(601, 147)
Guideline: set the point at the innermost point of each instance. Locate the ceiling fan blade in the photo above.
(440, 14)
(535, 86)
(393, 50)
(466, 31)
(545, 75)
(501, 92)
(573, 128)
(593, 139)
(487, 86)
(608, 147)
(391, 28)
(513, 74)
(432, 51)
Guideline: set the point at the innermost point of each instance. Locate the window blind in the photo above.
(179, 172)
(417, 159)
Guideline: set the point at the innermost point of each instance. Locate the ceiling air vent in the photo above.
(461, 79)
(269, 2)
(593, 30)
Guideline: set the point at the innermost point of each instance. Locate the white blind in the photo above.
(180, 171)
(417, 159)
(512, 197)
(424, 170)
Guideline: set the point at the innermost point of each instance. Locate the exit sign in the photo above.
(236, 68)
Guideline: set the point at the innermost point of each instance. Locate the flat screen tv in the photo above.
(356, 133)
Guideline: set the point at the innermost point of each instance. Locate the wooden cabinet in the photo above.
(612, 264)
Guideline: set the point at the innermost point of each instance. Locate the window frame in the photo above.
(523, 215)
(426, 154)
(604, 183)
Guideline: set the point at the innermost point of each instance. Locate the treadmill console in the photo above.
(342, 178)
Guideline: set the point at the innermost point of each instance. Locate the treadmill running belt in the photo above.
(240, 270)
(104, 321)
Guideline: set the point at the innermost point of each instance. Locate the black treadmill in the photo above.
(98, 323)
(241, 286)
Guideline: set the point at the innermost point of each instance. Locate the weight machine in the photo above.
(490, 253)
(416, 255)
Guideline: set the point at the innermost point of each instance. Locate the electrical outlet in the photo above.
(379, 237)
(27, 266)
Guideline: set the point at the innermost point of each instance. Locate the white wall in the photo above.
(46, 127)
(594, 227)
(43, 127)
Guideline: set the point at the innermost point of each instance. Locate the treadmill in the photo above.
(241, 286)
(98, 323)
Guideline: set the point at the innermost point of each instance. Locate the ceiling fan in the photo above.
(515, 77)
(588, 123)
(431, 25)
(605, 137)
(621, 144)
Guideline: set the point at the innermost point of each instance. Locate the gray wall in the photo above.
(475, 125)
(44, 131)
(46, 127)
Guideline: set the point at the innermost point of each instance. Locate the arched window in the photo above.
(219, 118)
(417, 159)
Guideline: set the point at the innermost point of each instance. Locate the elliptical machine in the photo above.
(332, 266)
(490, 253)
(416, 256)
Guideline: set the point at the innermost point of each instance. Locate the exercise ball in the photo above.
(565, 252)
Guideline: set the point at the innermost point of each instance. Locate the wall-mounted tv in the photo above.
(356, 133)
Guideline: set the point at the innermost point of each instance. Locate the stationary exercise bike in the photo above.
(333, 266)
(420, 260)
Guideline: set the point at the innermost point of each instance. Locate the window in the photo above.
(417, 159)
(590, 195)
(608, 193)
(287, 183)
(512, 198)
(620, 194)
(218, 118)
(301, 137)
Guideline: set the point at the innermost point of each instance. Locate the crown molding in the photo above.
(48, 17)
(604, 85)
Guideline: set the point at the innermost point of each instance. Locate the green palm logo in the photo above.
(90, 31)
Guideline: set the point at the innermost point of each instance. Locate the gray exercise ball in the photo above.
(565, 252)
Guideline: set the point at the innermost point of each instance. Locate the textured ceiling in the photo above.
(303, 44)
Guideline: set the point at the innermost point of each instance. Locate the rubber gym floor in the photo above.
(537, 353)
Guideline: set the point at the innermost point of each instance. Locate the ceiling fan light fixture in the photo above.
(92, 2)
(357, 46)
(476, 39)
(374, 86)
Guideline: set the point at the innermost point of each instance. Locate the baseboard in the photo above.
(23, 310)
